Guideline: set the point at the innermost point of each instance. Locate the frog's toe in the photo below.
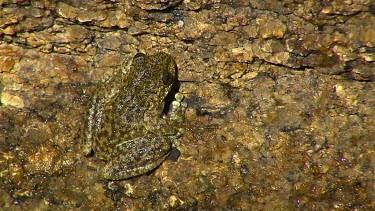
(179, 96)
(178, 107)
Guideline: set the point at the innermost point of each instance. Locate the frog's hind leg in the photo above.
(136, 157)
(120, 172)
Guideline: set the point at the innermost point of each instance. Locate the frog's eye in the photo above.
(137, 55)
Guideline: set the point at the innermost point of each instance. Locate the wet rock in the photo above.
(269, 27)
(66, 11)
(155, 4)
(41, 161)
(11, 100)
(224, 38)
(280, 103)
(6, 64)
(191, 28)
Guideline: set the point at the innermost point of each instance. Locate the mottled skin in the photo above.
(126, 127)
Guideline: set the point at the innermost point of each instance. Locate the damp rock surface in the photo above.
(280, 95)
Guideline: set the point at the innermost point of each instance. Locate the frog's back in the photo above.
(137, 107)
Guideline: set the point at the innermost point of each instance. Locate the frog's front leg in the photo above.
(136, 157)
(177, 112)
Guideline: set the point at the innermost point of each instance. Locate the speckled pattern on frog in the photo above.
(125, 126)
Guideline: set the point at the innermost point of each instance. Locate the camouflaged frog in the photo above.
(126, 125)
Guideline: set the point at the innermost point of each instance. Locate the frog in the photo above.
(129, 125)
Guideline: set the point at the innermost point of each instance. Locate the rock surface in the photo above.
(281, 103)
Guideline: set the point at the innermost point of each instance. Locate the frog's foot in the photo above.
(136, 157)
(178, 108)
(116, 170)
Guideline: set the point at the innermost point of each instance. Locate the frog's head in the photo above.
(155, 75)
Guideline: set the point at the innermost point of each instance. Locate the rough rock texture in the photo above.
(281, 103)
